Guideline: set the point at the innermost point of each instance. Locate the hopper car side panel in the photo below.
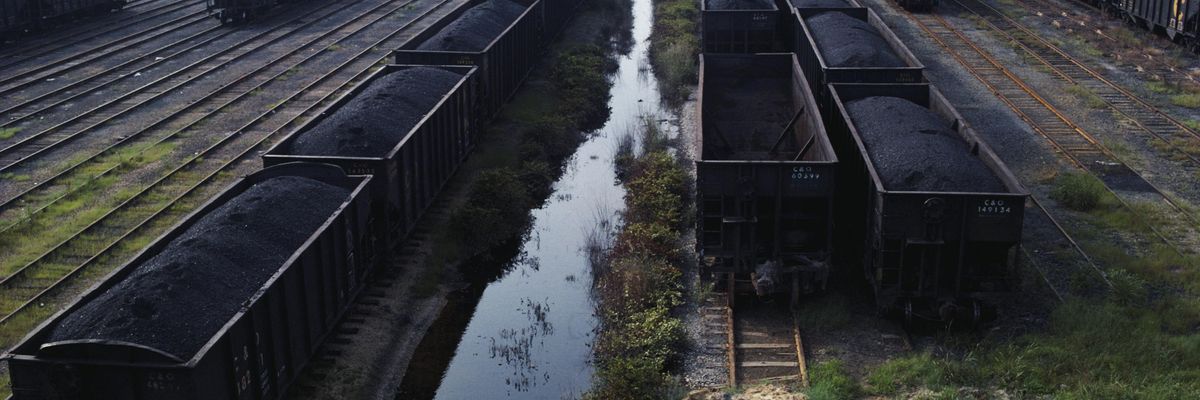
(411, 175)
(739, 31)
(819, 73)
(256, 354)
(927, 253)
(503, 65)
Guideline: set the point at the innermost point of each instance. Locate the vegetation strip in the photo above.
(638, 282)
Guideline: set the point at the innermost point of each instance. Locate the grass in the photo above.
(674, 46)
(7, 133)
(831, 382)
(1087, 96)
(1188, 100)
(1078, 191)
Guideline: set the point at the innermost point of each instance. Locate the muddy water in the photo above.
(526, 331)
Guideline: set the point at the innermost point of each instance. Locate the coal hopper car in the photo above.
(942, 227)
(1178, 19)
(850, 45)
(17, 16)
(765, 179)
(469, 35)
(231, 303)
(740, 26)
(410, 126)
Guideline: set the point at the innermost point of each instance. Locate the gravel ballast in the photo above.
(379, 117)
(476, 28)
(914, 149)
(820, 4)
(845, 41)
(737, 4)
(178, 299)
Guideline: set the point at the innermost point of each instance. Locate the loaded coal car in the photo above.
(943, 215)
(823, 4)
(558, 14)
(766, 173)
(234, 11)
(408, 125)
(850, 45)
(739, 26)
(501, 37)
(18, 16)
(231, 303)
(1178, 19)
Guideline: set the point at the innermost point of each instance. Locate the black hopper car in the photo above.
(18, 16)
(765, 177)
(1178, 19)
(234, 11)
(810, 165)
(939, 216)
(234, 301)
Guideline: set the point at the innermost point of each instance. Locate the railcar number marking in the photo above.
(994, 207)
(805, 174)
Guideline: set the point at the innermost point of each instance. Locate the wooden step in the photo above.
(767, 364)
(766, 345)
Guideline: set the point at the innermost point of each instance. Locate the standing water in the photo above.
(531, 332)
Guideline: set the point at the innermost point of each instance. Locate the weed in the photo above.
(1078, 191)
(1087, 96)
(896, 375)
(831, 382)
(6, 133)
(1189, 100)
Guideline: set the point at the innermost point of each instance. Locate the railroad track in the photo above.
(763, 341)
(88, 33)
(1148, 63)
(53, 70)
(119, 232)
(1079, 146)
(46, 191)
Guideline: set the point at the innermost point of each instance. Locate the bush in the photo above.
(674, 45)
(496, 209)
(643, 240)
(578, 73)
(631, 378)
(1186, 100)
(1078, 191)
(653, 194)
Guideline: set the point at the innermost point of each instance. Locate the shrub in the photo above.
(497, 209)
(630, 378)
(1078, 191)
(578, 74)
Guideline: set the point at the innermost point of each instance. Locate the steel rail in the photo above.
(42, 47)
(215, 110)
(44, 69)
(30, 147)
(57, 69)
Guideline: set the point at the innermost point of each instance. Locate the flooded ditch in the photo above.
(524, 326)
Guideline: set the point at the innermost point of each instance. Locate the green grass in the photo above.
(902, 374)
(1087, 96)
(674, 46)
(831, 382)
(1078, 191)
(1188, 100)
(6, 133)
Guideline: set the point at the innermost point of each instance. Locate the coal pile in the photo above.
(375, 120)
(746, 107)
(914, 149)
(179, 298)
(737, 4)
(475, 28)
(820, 4)
(846, 41)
